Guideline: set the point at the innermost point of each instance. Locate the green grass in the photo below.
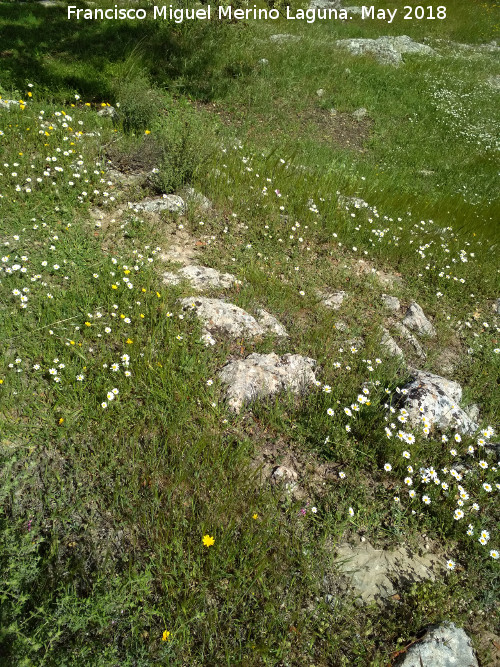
(104, 508)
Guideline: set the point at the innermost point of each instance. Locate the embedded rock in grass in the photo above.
(387, 50)
(195, 199)
(494, 81)
(417, 321)
(390, 344)
(221, 317)
(270, 323)
(389, 280)
(331, 299)
(378, 574)
(496, 306)
(261, 375)
(443, 645)
(410, 338)
(360, 113)
(200, 277)
(138, 178)
(437, 399)
(172, 203)
(182, 248)
(390, 302)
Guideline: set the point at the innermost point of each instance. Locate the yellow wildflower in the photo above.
(208, 541)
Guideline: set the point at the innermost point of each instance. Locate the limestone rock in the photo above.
(195, 199)
(332, 299)
(377, 574)
(439, 399)
(410, 338)
(496, 306)
(221, 317)
(270, 323)
(494, 81)
(360, 113)
(387, 50)
(391, 302)
(417, 321)
(443, 645)
(172, 203)
(261, 375)
(200, 277)
(390, 344)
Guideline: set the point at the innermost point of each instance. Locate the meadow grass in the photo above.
(119, 455)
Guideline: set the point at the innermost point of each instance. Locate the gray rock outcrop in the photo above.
(387, 50)
(444, 645)
(416, 320)
(390, 344)
(171, 203)
(438, 400)
(200, 277)
(261, 375)
(221, 317)
(331, 300)
(390, 302)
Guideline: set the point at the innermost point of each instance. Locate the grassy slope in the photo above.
(105, 509)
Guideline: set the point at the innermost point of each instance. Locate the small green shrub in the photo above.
(187, 143)
(139, 105)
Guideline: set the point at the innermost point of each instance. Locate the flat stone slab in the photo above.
(378, 574)
(221, 317)
(416, 320)
(443, 645)
(171, 203)
(387, 50)
(437, 399)
(261, 375)
(200, 277)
